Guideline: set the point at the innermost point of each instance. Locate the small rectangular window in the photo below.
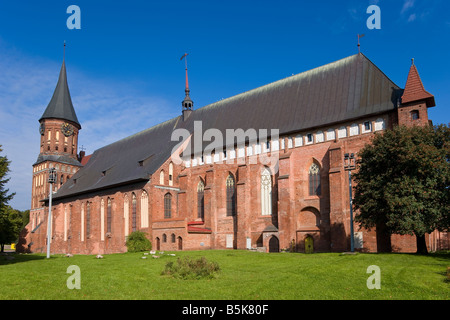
(309, 137)
(367, 126)
(415, 115)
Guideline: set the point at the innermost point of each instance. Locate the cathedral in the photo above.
(280, 185)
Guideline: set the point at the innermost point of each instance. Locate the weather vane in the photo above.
(359, 46)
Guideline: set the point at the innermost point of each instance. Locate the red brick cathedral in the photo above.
(284, 188)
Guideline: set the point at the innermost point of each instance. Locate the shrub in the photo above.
(137, 241)
(194, 269)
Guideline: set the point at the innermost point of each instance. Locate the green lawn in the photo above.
(244, 275)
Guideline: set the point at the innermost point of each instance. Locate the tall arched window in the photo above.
(314, 180)
(102, 220)
(266, 192)
(126, 215)
(161, 177)
(82, 223)
(88, 219)
(201, 200)
(170, 174)
(231, 196)
(133, 212)
(108, 215)
(144, 209)
(65, 223)
(167, 206)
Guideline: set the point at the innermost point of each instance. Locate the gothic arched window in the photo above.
(126, 214)
(108, 215)
(201, 200)
(168, 206)
(161, 177)
(88, 219)
(170, 174)
(231, 196)
(266, 192)
(144, 209)
(314, 180)
(133, 212)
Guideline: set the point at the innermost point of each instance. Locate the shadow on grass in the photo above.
(11, 258)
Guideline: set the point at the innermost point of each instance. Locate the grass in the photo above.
(243, 276)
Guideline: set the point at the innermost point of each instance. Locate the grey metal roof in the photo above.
(340, 91)
(60, 106)
(129, 160)
(57, 158)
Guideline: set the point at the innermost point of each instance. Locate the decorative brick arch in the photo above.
(307, 225)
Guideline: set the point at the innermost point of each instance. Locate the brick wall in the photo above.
(296, 215)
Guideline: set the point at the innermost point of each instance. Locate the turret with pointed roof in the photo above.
(415, 101)
(414, 89)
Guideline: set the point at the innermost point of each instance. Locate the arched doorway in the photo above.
(274, 244)
(158, 244)
(180, 243)
(309, 244)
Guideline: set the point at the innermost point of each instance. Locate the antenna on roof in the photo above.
(64, 50)
(359, 46)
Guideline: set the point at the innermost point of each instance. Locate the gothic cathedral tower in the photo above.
(59, 129)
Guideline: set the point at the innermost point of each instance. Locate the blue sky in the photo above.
(124, 67)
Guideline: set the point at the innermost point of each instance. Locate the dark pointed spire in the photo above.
(60, 106)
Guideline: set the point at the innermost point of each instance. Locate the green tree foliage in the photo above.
(11, 223)
(7, 220)
(4, 169)
(403, 182)
(137, 242)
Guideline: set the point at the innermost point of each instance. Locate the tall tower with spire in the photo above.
(59, 128)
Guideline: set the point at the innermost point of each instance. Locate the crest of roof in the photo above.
(340, 91)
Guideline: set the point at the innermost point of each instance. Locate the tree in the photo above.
(403, 182)
(4, 169)
(7, 221)
(11, 223)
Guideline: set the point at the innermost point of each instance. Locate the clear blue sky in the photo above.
(124, 67)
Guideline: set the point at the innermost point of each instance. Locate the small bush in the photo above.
(191, 269)
(137, 242)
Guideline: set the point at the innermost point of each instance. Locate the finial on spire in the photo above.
(64, 51)
(359, 46)
(185, 62)
(412, 61)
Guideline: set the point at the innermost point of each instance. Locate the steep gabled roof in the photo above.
(414, 89)
(60, 106)
(340, 91)
(347, 89)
